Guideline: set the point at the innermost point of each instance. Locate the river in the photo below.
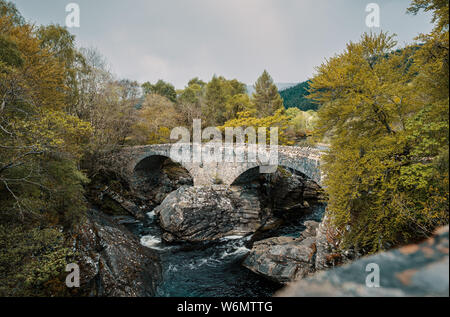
(214, 269)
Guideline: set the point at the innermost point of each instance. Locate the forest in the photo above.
(383, 111)
(297, 97)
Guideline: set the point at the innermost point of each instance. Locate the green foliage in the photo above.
(33, 261)
(38, 139)
(197, 81)
(41, 145)
(238, 103)
(160, 88)
(217, 93)
(9, 53)
(296, 97)
(302, 122)
(191, 94)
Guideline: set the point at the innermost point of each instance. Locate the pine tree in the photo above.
(266, 96)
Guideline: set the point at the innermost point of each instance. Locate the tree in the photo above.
(302, 122)
(61, 43)
(157, 117)
(247, 119)
(296, 97)
(60, 111)
(375, 177)
(40, 144)
(190, 100)
(9, 53)
(238, 103)
(196, 81)
(193, 93)
(161, 88)
(8, 9)
(266, 96)
(218, 91)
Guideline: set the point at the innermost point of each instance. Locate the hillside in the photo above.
(295, 97)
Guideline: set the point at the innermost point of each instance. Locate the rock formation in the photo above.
(286, 259)
(209, 213)
(414, 270)
(112, 261)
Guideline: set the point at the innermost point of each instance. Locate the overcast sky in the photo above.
(177, 40)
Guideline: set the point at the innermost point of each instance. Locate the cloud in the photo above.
(177, 40)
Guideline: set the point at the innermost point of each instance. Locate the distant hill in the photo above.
(295, 97)
(280, 86)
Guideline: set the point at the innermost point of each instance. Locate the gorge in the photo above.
(244, 238)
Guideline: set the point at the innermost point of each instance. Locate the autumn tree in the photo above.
(8, 9)
(156, 118)
(247, 119)
(41, 187)
(377, 178)
(61, 43)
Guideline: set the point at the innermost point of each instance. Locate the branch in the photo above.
(15, 197)
(17, 147)
(13, 163)
(21, 205)
(4, 130)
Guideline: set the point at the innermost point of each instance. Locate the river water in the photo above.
(214, 269)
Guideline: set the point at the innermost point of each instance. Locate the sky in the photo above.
(176, 40)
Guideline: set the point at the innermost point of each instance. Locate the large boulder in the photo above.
(284, 259)
(112, 261)
(209, 213)
(416, 270)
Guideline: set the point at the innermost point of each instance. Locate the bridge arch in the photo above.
(153, 163)
(134, 160)
(252, 171)
(303, 165)
(155, 175)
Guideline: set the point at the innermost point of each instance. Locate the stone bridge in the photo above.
(302, 159)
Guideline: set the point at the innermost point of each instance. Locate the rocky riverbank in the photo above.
(256, 205)
(418, 270)
(286, 259)
(112, 261)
